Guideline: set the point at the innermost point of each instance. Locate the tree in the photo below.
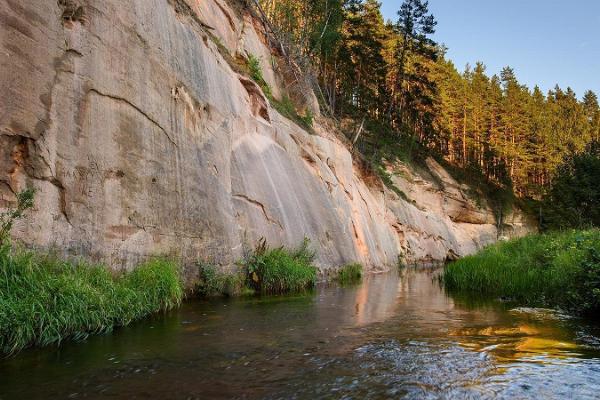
(572, 200)
(414, 26)
(592, 113)
(362, 68)
(396, 82)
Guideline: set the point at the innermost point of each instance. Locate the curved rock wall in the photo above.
(141, 139)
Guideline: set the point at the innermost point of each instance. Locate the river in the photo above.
(396, 335)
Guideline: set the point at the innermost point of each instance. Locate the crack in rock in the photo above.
(136, 108)
(261, 206)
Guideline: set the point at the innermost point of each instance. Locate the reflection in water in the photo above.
(392, 336)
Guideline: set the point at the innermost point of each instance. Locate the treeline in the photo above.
(393, 73)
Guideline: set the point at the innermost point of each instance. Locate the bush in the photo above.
(307, 119)
(560, 269)
(44, 300)
(280, 270)
(350, 273)
(8, 217)
(257, 75)
(214, 283)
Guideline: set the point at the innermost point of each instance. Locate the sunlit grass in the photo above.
(556, 269)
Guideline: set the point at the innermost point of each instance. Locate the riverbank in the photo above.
(559, 269)
(45, 300)
(395, 335)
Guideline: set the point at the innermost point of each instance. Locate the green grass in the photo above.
(350, 273)
(280, 270)
(559, 269)
(215, 283)
(44, 300)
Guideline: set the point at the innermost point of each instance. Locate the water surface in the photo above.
(393, 336)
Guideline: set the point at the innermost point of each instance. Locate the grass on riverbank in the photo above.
(263, 270)
(281, 270)
(350, 273)
(560, 269)
(44, 300)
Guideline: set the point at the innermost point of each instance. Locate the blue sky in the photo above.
(545, 41)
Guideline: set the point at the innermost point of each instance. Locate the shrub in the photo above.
(307, 118)
(560, 269)
(8, 217)
(281, 270)
(350, 273)
(257, 75)
(44, 300)
(215, 283)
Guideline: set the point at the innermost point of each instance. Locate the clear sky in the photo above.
(545, 41)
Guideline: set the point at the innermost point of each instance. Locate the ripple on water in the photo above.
(425, 370)
(390, 337)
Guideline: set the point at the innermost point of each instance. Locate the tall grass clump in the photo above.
(281, 270)
(559, 269)
(213, 283)
(350, 273)
(45, 300)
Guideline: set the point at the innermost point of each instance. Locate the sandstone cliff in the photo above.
(140, 138)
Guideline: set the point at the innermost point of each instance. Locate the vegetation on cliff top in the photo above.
(560, 269)
(285, 106)
(393, 75)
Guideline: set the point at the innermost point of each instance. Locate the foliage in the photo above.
(307, 119)
(287, 108)
(280, 270)
(386, 178)
(257, 75)
(573, 200)
(350, 273)
(215, 283)
(395, 75)
(555, 269)
(45, 300)
(7, 218)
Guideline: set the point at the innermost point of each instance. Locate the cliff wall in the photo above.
(141, 139)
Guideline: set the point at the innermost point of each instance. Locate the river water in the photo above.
(393, 336)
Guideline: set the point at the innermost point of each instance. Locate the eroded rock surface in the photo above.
(141, 139)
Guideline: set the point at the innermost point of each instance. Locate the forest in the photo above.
(394, 76)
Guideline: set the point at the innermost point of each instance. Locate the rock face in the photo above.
(141, 139)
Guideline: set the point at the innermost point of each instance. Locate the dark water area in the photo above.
(393, 336)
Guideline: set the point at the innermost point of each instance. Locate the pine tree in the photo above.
(414, 26)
